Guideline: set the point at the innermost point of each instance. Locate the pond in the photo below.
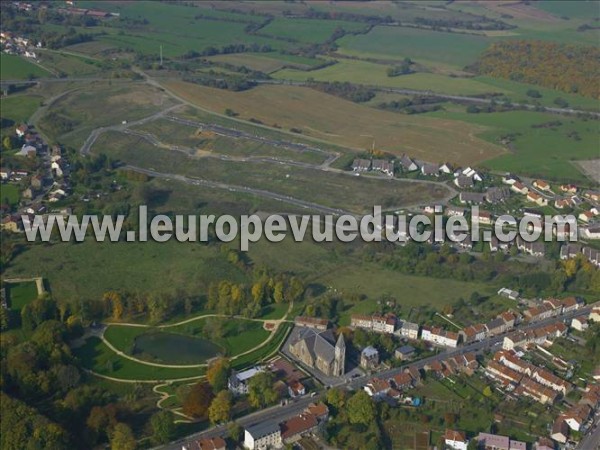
(172, 348)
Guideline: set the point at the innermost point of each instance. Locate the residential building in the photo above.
(580, 323)
(482, 217)
(405, 352)
(560, 430)
(537, 249)
(464, 182)
(238, 382)
(409, 330)
(505, 292)
(576, 416)
(440, 336)
(496, 442)
(319, 410)
(386, 167)
(403, 381)
(586, 216)
(294, 428)
(319, 349)
(473, 198)
(361, 165)
(568, 251)
(296, 389)
(408, 165)
(536, 198)
(497, 194)
(543, 444)
(473, 333)
(455, 211)
(312, 322)
(541, 185)
(432, 170)
(456, 440)
(377, 388)
(591, 231)
(519, 188)
(369, 358)
(262, 436)
(216, 443)
(379, 324)
(568, 188)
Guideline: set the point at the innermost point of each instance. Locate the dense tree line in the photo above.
(229, 82)
(568, 68)
(482, 23)
(353, 92)
(413, 105)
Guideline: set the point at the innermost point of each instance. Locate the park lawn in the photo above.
(20, 294)
(19, 108)
(313, 31)
(363, 72)
(274, 311)
(266, 351)
(9, 193)
(14, 67)
(96, 356)
(344, 123)
(545, 152)
(87, 270)
(427, 46)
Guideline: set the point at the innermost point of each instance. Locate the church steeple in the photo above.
(340, 356)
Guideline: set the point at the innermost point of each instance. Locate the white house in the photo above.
(262, 435)
(238, 382)
(579, 324)
(456, 440)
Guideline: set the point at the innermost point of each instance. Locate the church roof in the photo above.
(320, 343)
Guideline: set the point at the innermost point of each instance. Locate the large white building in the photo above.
(262, 436)
(238, 382)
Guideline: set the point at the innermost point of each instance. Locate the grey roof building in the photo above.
(319, 349)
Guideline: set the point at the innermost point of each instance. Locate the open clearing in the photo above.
(331, 189)
(345, 123)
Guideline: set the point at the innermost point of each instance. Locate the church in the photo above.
(319, 349)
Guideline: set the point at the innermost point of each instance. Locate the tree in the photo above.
(336, 398)
(278, 292)
(533, 93)
(220, 408)
(487, 391)
(235, 431)
(198, 400)
(122, 438)
(163, 427)
(360, 409)
(260, 390)
(217, 374)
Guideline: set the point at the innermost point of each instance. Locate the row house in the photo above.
(312, 322)
(440, 336)
(379, 324)
(532, 248)
(592, 255)
(408, 330)
(536, 391)
(503, 373)
(473, 333)
(576, 416)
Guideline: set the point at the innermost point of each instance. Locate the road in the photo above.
(281, 413)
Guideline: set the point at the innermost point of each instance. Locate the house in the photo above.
(543, 444)
(496, 327)
(319, 410)
(440, 336)
(466, 243)
(430, 170)
(296, 389)
(571, 304)
(216, 443)
(592, 195)
(5, 174)
(319, 350)
(595, 315)
(482, 217)
(473, 333)
(592, 255)
(405, 352)
(568, 188)
(537, 249)
(536, 198)
(568, 251)
(21, 130)
(294, 428)
(379, 324)
(576, 416)
(560, 430)
(464, 182)
(455, 211)
(262, 435)
(381, 165)
(238, 382)
(27, 150)
(369, 358)
(591, 231)
(456, 440)
(473, 198)
(409, 330)
(37, 181)
(472, 173)
(586, 216)
(312, 322)
(510, 179)
(497, 194)
(580, 323)
(408, 165)
(11, 223)
(377, 388)
(361, 165)
(497, 442)
(508, 293)
(562, 203)
(446, 168)
(541, 185)
(519, 188)
(403, 381)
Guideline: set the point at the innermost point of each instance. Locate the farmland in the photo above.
(308, 30)
(19, 108)
(266, 62)
(317, 115)
(538, 151)
(13, 67)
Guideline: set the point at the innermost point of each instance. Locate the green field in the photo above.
(267, 62)
(13, 67)
(88, 269)
(426, 46)
(545, 152)
(9, 194)
(19, 108)
(21, 294)
(95, 355)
